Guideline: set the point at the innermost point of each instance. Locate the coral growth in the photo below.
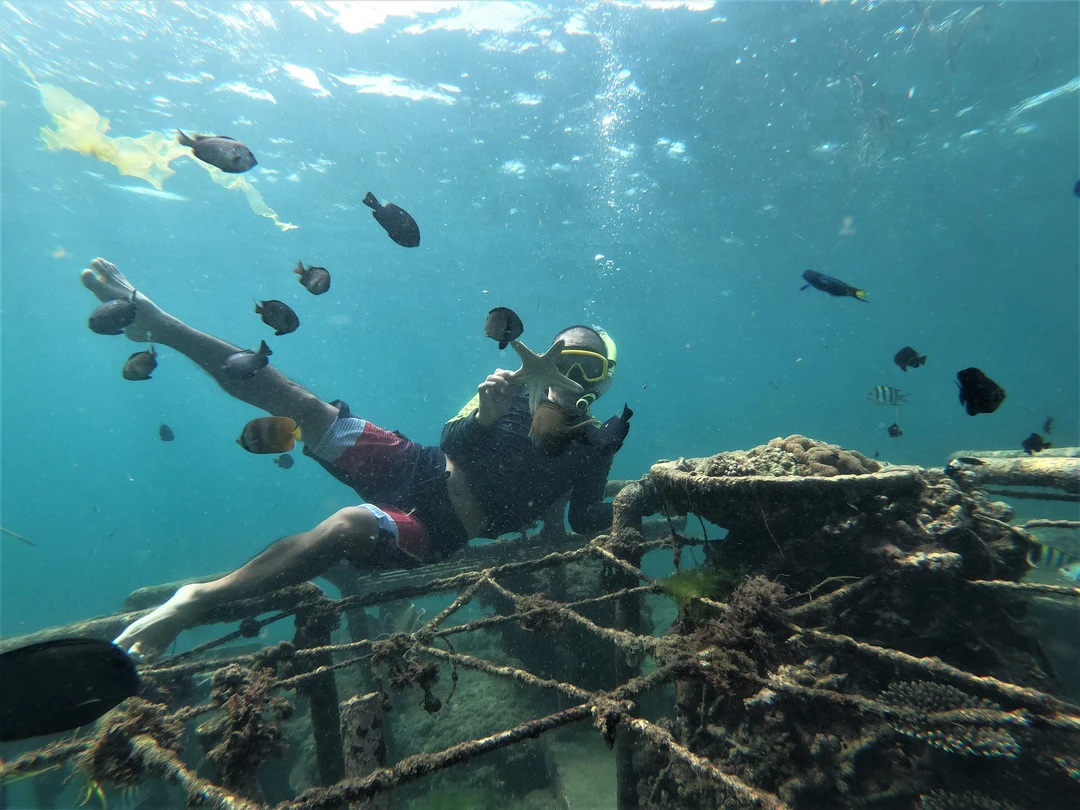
(398, 655)
(247, 732)
(111, 758)
(806, 528)
(927, 698)
(795, 455)
(885, 556)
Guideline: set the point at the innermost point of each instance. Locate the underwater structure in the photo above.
(860, 638)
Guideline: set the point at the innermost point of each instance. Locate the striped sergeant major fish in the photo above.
(1054, 559)
(887, 395)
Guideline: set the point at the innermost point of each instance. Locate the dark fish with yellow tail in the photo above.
(269, 434)
(1034, 444)
(978, 393)
(285, 461)
(397, 222)
(278, 315)
(830, 285)
(245, 364)
(1054, 559)
(553, 427)
(226, 153)
(887, 395)
(503, 325)
(165, 433)
(111, 317)
(316, 280)
(59, 685)
(907, 358)
(140, 365)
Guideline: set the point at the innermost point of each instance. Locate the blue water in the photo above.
(666, 172)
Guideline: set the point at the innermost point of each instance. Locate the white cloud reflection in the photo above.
(245, 89)
(393, 86)
(306, 77)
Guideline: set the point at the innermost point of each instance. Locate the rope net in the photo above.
(871, 647)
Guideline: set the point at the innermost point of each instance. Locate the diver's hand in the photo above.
(496, 392)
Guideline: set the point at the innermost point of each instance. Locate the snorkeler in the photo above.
(486, 478)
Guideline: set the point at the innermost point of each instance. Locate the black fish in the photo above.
(140, 365)
(166, 433)
(243, 364)
(1034, 444)
(503, 325)
(1048, 424)
(395, 221)
(833, 286)
(59, 685)
(970, 460)
(1076, 188)
(907, 358)
(894, 430)
(609, 436)
(285, 461)
(228, 154)
(278, 316)
(111, 317)
(316, 280)
(978, 393)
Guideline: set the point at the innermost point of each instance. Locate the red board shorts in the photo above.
(382, 467)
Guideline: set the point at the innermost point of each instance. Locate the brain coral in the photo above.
(795, 455)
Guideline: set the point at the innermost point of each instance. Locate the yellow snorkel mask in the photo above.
(591, 370)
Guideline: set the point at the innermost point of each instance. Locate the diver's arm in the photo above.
(589, 512)
(463, 431)
(474, 421)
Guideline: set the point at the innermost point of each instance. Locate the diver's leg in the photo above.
(352, 532)
(269, 390)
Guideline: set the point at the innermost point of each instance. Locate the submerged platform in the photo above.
(865, 640)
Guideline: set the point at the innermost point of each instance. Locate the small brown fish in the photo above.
(285, 461)
(907, 358)
(316, 280)
(228, 154)
(166, 433)
(551, 430)
(244, 364)
(978, 393)
(269, 434)
(111, 317)
(397, 222)
(140, 365)
(278, 315)
(1035, 444)
(503, 325)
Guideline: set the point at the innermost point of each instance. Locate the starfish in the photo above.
(541, 372)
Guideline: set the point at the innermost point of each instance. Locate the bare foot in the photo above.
(153, 633)
(107, 283)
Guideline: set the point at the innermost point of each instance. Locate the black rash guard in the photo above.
(514, 482)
